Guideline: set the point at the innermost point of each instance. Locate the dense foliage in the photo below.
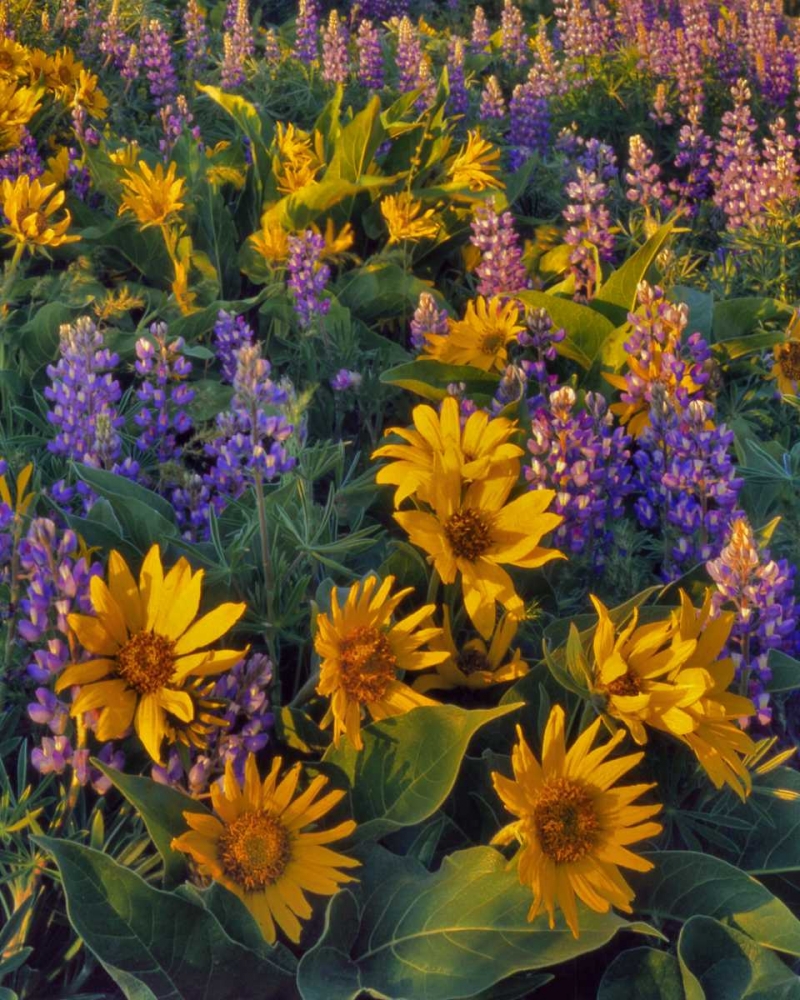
(399, 468)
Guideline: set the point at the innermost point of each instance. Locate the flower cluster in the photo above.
(163, 390)
(307, 277)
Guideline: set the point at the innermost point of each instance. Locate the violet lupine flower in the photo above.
(493, 104)
(589, 232)
(529, 123)
(581, 455)
(513, 35)
(68, 15)
(479, 38)
(164, 393)
(458, 99)
(307, 277)
(113, 42)
(195, 35)
(370, 56)
(408, 56)
(156, 53)
(23, 159)
(501, 271)
(48, 710)
(230, 333)
(539, 339)
(736, 159)
(132, 65)
(238, 45)
(307, 31)
(272, 47)
(642, 178)
(345, 379)
(660, 112)
(688, 71)
(250, 441)
(761, 591)
(428, 320)
(694, 157)
(776, 175)
(53, 756)
(335, 61)
(191, 502)
(510, 389)
(176, 119)
(426, 84)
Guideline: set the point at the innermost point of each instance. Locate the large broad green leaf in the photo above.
(785, 671)
(408, 765)
(408, 934)
(617, 296)
(297, 210)
(684, 884)
(735, 320)
(380, 291)
(162, 809)
(173, 947)
(701, 307)
(586, 327)
(642, 972)
(430, 379)
(720, 963)
(357, 143)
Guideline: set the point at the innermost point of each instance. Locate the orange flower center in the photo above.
(470, 661)
(789, 360)
(625, 686)
(469, 533)
(491, 343)
(146, 661)
(565, 820)
(255, 850)
(368, 664)
(6, 62)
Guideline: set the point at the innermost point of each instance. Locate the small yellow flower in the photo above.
(14, 59)
(574, 824)
(17, 106)
(476, 165)
(481, 338)
(117, 302)
(786, 359)
(336, 244)
(62, 73)
(21, 499)
(154, 197)
(271, 241)
(89, 96)
(362, 653)
(147, 648)
(28, 206)
(482, 448)
(406, 220)
(127, 155)
(299, 158)
(256, 845)
(57, 168)
(474, 666)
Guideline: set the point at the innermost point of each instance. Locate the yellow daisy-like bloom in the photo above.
(786, 360)
(299, 158)
(126, 155)
(14, 59)
(481, 446)
(474, 666)
(336, 243)
(362, 654)
(406, 220)
(476, 165)
(146, 645)
(574, 824)
(21, 500)
(57, 170)
(28, 206)
(475, 536)
(667, 675)
(481, 338)
(17, 106)
(154, 197)
(89, 96)
(256, 845)
(271, 241)
(62, 72)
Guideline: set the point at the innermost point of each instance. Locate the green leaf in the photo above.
(357, 143)
(408, 765)
(725, 964)
(617, 296)
(410, 934)
(684, 884)
(642, 972)
(161, 809)
(430, 379)
(586, 328)
(785, 672)
(701, 307)
(170, 945)
(6, 994)
(735, 319)
(380, 291)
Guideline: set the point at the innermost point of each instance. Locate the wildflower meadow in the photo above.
(399, 500)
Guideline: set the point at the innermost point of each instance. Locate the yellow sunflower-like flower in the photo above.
(271, 241)
(476, 165)
(14, 59)
(406, 220)
(666, 675)
(474, 536)
(147, 646)
(362, 653)
(786, 359)
(154, 197)
(17, 106)
(481, 338)
(481, 446)
(89, 96)
(256, 845)
(28, 206)
(474, 666)
(62, 72)
(298, 160)
(574, 824)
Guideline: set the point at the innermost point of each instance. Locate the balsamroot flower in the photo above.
(153, 196)
(256, 846)
(362, 653)
(28, 205)
(481, 338)
(574, 825)
(482, 448)
(405, 219)
(147, 646)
